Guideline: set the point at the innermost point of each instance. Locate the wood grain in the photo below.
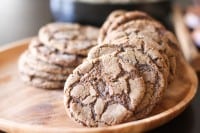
(28, 109)
(189, 49)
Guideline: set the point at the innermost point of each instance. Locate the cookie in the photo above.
(118, 18)
(104, 91)
(149, 63)
(41, 83)
(26, 68)
(69, 38)
(53, 56)
(142, 28)
(40, 65)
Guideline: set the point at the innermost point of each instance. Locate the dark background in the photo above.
(23, 18)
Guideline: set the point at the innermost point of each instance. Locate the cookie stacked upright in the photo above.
(125, 75)
(53, 55)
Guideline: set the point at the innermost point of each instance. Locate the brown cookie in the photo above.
(53, 56)
(27, 69)
(69, 38)
(41, 83)
(104, 91)
(118, 18)
(143, 28)
(149, 63)
(40, 65)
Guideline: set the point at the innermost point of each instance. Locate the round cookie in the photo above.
(149, 63)
(40, 65)
(127, 17)
(41, 83)
(25, 68)
(118, 18)
(53, 56)
(69, 38)
(104, 91)
(143, 28)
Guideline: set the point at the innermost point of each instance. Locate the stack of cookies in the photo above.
(125, 75)
(53, 55)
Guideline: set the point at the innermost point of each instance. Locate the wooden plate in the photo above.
(27, 109)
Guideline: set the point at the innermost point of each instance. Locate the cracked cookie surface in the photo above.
(149, 64)
(53, 56)
(164, 41)
(69, 38)
(104, 91)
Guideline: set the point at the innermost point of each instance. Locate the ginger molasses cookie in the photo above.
(104, 91)
(69, 38)
(52, 55)
(118, 18)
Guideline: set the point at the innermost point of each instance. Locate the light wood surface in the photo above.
(27, 109)
(189, 49)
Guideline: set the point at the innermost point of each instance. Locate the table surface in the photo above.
(27, 16)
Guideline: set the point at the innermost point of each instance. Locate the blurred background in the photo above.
(20, 19)
(23, 18)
